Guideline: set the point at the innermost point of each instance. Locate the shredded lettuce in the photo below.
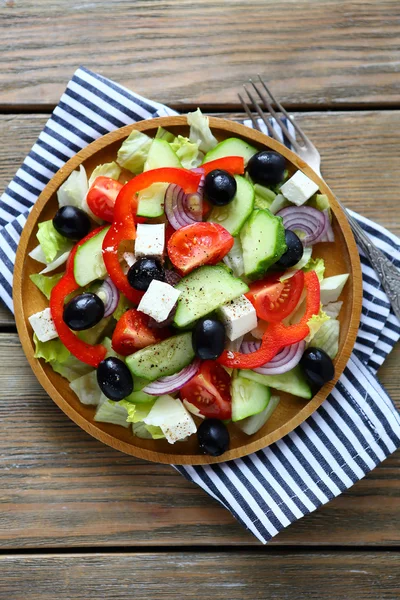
(110, 169)
(264, 197)
(59, 357)
(110, 352)
(136, 414)
(332, 309)
(200, 132)
(45, 284)
(327, 337)
(187, 152)
(147, 432)
(317, 265)
(51, 242)
(315, 323)
(87, 389)
(123, 306)
(163, 134)
(278, 203)
(332, 287)
(73, 191)
(95, 333)
(111, 412)
(71, 369)
(133, 152)
(60, 259)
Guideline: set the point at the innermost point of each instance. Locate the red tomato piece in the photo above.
(198, 244)
(133, 333)
(274, 300)
(102, 196)
(209, 391)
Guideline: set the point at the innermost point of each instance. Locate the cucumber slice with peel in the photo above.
(252, 424)
(231, 147)
(88, 263)
(263, 242)
(248, 398)
(232, 216)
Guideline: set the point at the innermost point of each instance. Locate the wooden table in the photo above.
(77, 519)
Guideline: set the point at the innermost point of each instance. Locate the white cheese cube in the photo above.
(43, 325)
(150, 240)
(159, 300)
(175, 421)
(299, 188)
(238, 316)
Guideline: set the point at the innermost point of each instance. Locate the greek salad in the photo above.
(184, 291)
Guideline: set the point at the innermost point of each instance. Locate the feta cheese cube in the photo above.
(159, 300)
(175, 421)
(299, 188)
(238, 316)
(43, 325)
(150, 240)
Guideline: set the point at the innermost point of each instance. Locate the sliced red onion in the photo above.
(172, 277)
(328, 236)
(182, 209)
(284, 361)
(307, 219)
(109, 294)
(172, 383)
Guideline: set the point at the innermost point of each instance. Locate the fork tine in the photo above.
(249, 113)
(283, 111)
(276, 117)
(271, 130)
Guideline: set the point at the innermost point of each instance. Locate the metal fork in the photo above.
(262, 100)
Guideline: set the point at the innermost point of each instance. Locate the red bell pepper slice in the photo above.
(91, 355)
(233, 164)
(278, 335)
(123, 227)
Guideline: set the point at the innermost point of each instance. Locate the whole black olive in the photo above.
(267, 167)
(294, 250)
(317, 366)
(83, 311)
(114, 378)
(208, 338)
(213, 437)
(71, 222)
(143, 271)
(219, 187)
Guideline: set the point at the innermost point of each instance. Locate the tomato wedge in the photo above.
(209, 391)
(133, 333)
(273, 299)
(198, 244)
(101, 197)
(233, 164)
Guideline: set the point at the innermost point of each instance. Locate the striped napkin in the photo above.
(356, 427)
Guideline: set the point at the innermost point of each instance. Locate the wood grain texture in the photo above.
(60, 487)
(313, 52)
(234, 576)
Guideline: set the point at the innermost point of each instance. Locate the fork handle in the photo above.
(387, 272)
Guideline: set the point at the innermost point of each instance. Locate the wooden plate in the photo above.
(340, 257)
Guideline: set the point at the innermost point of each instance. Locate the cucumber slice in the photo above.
(204, 290)
(151, 200)
(161, 155)
(293, 382)
(252, 424)
(248, 398)
(166, 358)
(232, 216)
(88, 263)
(231, 147)
(263, 242)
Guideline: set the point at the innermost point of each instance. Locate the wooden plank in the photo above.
(233, 576)
(59, 487)
(313, 52)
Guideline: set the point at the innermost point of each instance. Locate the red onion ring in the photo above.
(311, 221)
(182, 209)
(283, 362)
(109, 295)
(172, 383)
(329, 236)
(172, 277)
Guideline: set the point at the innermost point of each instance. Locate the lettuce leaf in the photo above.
(111, 412)
(59, 260)
(45, 284)
(87, 389)
(51, 242)
(163, 134)
(315, 323)
(200, 132)
(327, 337)
(187, 152)
(123, 306)
(317, 265)
(73, 191)
(333, 309)
(71, 369)
(52, 351)
(110, 169)
(133, 152)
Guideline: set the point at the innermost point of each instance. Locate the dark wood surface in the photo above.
(79, 520)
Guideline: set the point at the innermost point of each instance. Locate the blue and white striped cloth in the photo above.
(353, 431)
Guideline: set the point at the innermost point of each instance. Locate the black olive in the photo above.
(83, 311)
(294, 250)
(213, 437)
(71, 222)
(267, 168)
(219, 187)
(208, 338)
(143, 271)
(114, 378)
(317, 366)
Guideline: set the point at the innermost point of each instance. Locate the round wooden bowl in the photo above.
(340, 257)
